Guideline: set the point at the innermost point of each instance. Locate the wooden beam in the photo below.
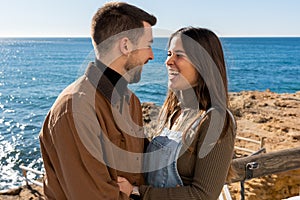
(266, 164)
(248, 140)
(244, 149)
(27, 180)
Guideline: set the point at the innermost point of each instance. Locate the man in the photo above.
(93, 132)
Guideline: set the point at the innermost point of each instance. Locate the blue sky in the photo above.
(225, 17)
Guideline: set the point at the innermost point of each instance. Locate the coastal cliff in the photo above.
(268, 115)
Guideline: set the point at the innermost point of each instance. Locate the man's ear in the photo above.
(125, 46)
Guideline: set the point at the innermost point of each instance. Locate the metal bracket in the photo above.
(249, 169)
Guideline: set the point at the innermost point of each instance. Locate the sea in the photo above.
(33, 71)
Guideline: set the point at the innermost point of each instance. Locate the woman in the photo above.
(191, 155)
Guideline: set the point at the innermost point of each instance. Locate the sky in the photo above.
(71, 18)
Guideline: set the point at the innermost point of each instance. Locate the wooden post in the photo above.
(24, 172)
(262, 142)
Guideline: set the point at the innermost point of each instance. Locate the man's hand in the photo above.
(125, 186)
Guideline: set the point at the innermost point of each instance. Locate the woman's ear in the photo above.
(125, 46)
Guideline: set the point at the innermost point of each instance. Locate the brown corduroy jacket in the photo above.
(92, 134)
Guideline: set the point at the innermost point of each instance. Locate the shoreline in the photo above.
(258, 114)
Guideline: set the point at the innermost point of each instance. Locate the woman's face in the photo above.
(182, 74)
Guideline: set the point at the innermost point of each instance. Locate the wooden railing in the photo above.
(266, 164)
(25, 170)
(258, 143)
(253, 166)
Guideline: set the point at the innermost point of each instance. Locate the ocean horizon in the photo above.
(33, 71)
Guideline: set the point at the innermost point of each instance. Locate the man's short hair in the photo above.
(115, 18)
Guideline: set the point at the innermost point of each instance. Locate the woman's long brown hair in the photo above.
(205, 52)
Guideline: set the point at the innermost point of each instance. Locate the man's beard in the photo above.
(133, 75)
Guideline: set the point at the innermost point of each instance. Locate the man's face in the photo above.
(141, 54)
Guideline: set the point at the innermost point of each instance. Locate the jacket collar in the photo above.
(107, 81)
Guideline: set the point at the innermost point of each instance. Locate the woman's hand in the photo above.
(124, 185)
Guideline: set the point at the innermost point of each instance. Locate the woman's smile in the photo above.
(173, 74)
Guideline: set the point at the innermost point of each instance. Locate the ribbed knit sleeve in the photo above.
(207, 175)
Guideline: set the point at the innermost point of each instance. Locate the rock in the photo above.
(294, 135)
(31, 192)
(13, 191)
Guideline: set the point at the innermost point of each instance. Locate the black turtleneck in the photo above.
(106, 80)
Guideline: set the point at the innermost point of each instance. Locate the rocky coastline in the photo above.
(259, 114)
